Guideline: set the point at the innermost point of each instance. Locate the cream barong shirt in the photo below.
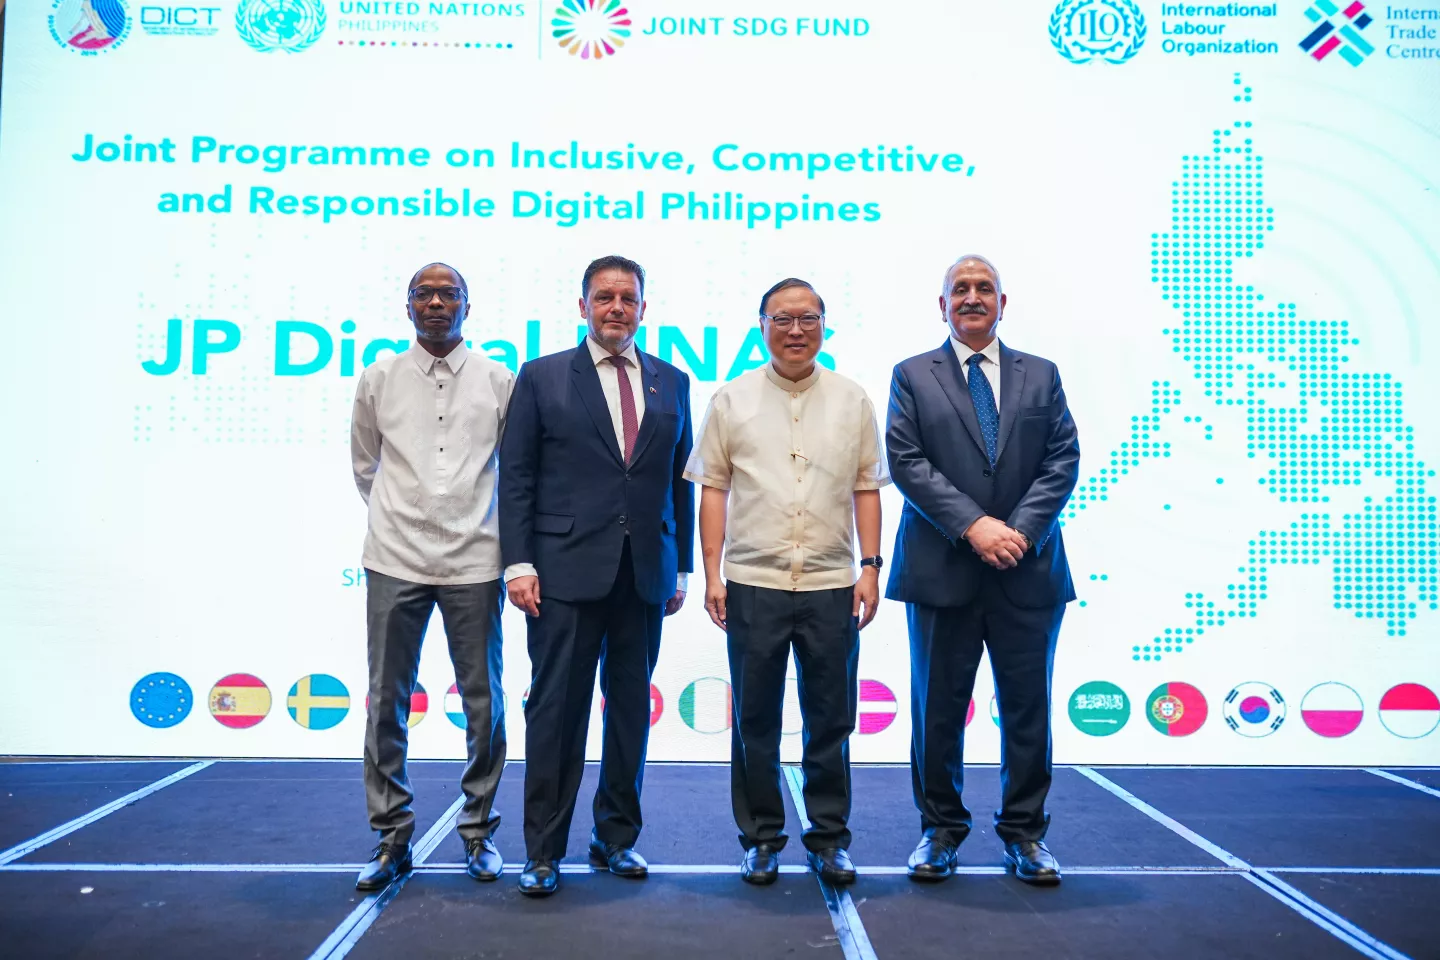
(792, 455)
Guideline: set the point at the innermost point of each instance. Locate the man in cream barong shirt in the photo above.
(790, 463)
(424, 439)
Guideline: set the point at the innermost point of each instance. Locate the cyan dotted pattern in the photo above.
(1344, 427)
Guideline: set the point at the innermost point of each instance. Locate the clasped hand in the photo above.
(997, 544)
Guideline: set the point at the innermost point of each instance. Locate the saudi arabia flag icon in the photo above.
(1410, 710)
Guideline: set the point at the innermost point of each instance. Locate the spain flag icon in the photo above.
(318, 701)
(239, 700)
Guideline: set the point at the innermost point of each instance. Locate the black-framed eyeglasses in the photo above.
(808, 321)
(426, 294)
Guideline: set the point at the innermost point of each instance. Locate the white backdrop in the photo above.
(195, 517)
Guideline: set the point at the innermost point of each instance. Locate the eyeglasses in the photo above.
(808, 321)
(426, 294)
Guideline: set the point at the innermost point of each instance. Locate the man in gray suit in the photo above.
(423, 440)
(983, 448)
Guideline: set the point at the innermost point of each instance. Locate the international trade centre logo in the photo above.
(1086, 30)
(89, 27)
(591, 29)
(1345, 39)
(289, 25)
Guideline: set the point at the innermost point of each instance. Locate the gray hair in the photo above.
(945, 284)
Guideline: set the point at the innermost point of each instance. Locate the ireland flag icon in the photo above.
(1410, 710)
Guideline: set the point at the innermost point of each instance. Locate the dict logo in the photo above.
(1326, 38)
(89, 27)
(289, 25)
(593, 29)
(1109, 30)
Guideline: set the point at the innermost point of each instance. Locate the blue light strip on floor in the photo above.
(65, 829)
(854, 941)
(1317, 914)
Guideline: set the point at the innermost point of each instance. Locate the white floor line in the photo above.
(854, 941)
(1387, 775)
(1269, 882)
(344, 937)
(65, 829)
(1377, 871)
(182, 868)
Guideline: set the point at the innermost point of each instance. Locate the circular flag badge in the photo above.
(1410, 710)
(161, 700)
(995, 711)
(970, 712)
(657, 704)
(1098, 708)
(706, 705)
(1176, 709)
(454, 706)
(1254, 709)
(877, 707)
(240, 700)
(318, 701)
(419, 705)
(1332, 709)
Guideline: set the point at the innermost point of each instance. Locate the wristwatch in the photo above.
(876, 562)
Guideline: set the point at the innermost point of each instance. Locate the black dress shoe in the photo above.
(621, 861)
(387, 862)
(540, 878)
(1032, 862)
(833, 864)
(761, 865)
(931, 862)
(482, 859)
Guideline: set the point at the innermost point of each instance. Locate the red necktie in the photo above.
(627, 406)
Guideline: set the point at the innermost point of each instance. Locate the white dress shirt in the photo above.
(792, 454)
(424, 438)
(991, 363)
(610, 386)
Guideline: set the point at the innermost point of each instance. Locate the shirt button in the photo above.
(795, 396)
(623, 518)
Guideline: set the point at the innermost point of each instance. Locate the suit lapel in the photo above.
(1012, 385)
(952, 381)
(587, 384)
(650, 387)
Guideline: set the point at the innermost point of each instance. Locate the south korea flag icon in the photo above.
(1254, 709)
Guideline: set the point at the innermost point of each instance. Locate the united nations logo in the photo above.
(289, 25)
(1109, 30)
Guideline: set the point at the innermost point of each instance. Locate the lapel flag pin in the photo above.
(652, 389)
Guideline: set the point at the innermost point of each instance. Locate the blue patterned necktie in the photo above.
(985, 410)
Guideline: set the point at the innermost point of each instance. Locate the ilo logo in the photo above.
(1109, 30)
(289, 25)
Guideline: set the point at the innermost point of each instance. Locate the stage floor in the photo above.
(258, 859)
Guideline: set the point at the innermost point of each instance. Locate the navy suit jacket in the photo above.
(938, 462)
(567, 498)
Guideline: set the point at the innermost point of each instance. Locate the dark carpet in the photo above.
(1393, 909)
(36, 797)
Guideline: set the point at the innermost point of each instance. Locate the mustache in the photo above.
(967, 308)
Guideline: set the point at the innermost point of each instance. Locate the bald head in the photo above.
(459, 280)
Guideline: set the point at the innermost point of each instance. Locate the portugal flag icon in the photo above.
(1410, 710)
(239, 700)
(1332, 709)
(877, 707)
(705, 705)
(318, 702)
(1176, 709)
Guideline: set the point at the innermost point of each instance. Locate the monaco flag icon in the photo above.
(1410, 710)
(1332, 709)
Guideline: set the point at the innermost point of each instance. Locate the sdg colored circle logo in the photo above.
(1332, 709)
(706, 705)
(239, 701)
(318, 701)
(1254, 709)
(1099, 708)
(161, 700)
(1410, 710)
(1176, 709)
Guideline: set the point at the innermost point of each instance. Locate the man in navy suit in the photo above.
(596, 529)
(982, 446)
